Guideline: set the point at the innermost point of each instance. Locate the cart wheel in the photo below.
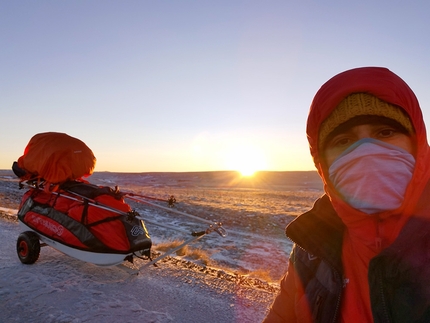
(28, 247)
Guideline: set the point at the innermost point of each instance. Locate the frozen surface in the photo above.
(58, 288)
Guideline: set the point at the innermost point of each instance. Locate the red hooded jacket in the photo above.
(365, 236)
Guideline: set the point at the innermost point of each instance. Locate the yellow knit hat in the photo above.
(360, 104)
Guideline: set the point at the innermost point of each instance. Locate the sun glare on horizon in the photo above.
(247, 172)
(246, 160)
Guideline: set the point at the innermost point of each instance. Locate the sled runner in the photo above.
(85, 221)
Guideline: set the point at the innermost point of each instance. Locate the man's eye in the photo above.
(341, 142)
(388, 132)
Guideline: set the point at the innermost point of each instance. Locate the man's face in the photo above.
(340, 141)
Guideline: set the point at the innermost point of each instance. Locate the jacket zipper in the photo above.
(384, 304)
(339, 297)
(378, 245)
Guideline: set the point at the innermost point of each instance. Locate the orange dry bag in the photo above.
(56, 158)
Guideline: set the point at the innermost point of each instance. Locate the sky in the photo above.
(178, 86)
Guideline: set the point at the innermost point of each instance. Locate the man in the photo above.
(362, 254)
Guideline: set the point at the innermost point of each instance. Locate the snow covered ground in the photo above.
(58, 288)
(61, 289)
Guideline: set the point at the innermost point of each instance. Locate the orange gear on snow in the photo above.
(57, 157)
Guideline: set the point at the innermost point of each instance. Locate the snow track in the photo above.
(60, 289)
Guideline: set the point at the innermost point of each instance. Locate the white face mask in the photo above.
(372, 175)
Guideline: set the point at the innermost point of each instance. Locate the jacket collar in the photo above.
(320, 232)
(416, 229)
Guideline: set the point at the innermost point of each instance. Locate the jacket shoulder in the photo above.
(319, 232)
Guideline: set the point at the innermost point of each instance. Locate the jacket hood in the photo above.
(388, 87)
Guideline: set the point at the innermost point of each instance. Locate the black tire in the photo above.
(28, 247)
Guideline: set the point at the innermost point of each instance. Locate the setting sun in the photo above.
(247, 172)
(246, 160)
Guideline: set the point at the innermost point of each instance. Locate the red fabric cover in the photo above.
(57, 157)
(111, 233)
(53, 230)
(48, 227)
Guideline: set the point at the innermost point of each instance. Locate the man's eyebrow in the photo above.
(361, 120)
